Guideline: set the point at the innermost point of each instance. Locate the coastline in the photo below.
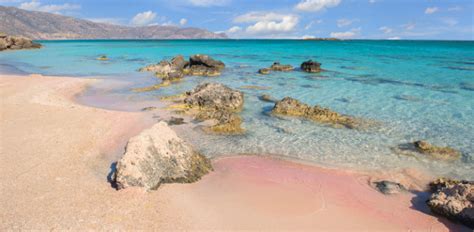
(56, 156)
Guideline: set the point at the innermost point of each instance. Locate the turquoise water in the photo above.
(415, 89)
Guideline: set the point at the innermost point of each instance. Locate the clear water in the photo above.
(415, 89)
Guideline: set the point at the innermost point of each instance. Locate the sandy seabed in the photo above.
(56, 157)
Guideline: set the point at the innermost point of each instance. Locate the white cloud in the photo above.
(345, 22)
(431, 10)
(37, 6)
(234, 30)
(310, 24)
(346, 34)
(183, 21)
(209, 3)
(144, 18)
(386, 30)
(268, 22)
(449, 21)
(116, 21)
(316, 5)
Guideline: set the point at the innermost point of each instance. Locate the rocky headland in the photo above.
(8, 42)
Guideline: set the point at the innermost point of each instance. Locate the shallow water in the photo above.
(414, 89)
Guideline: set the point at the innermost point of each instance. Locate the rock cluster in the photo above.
(311, 66)
(444, 153)
(453, 199)
(175, 69)
(218, 102)
(291, 107)
(15, 43)
(157, 155)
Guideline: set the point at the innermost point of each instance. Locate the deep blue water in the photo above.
(415, 89)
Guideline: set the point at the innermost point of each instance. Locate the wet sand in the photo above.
(56, 156)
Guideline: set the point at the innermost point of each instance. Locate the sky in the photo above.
(345, 19)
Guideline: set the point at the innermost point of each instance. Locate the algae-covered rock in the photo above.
(444, 153)
(103, 58)
(157, 155)
(215, 96)
(311, 66)
(227, 122)
(264, 71)
(281, 67)
(267, 98)
(453, 199)
(291, 107)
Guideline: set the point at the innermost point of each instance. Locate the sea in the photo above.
(413, 90)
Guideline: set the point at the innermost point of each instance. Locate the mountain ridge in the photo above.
(47, 26)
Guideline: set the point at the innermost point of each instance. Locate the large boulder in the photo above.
(281, 67)
(16, 43)
(215, 96)
(157, 155)
(444, 153)
(454, 200)
(311, 66)
(291, 107)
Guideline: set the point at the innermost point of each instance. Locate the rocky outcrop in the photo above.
(16, 43)
(444, 153)
(157, 155)
(311, 66)
(454, 200)
(216, 102)
(389, 187)
(291, 107)
(178, 68)
(281, 67)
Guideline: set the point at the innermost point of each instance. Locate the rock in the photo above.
(16, 42)
(150, 108)
(311, 66)
(206, 61)
(102, 58)
(178, 62)
(227, 122)
(157, 155)
(264, 71)
(291, 107)
(176, 121)
(389, 187)
(267, 98)
(216, 97)
(281, 67)
(201, 70)
(444, 153)
(455, 200)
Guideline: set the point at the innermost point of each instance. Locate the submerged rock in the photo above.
(149, 108)
(103, 58)
(176, 121)
(291, 107)
(157, 155)
(389, 187)
(311, 66)
(264, 71)
(215, 96)
(219, 103)
(453, 199)
(16, 42)
(267, 98)
(281, 67)
(444, 153)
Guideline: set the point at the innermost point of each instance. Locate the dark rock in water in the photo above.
(206, 61)
(453, 199)
(176, 121)
(215, 96)
(16, 42)
(178, 62)
(311, 66)
(267, 98)
(264, 71)
(150, 108)
(201, 70)
(467, 86)
(444, 153)
(389, 187)
(291, 107)
(103, 58)
(157, 155)
(281, 67)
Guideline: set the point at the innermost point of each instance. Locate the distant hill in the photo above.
(41, 25)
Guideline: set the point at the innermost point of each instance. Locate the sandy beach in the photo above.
(56, 158)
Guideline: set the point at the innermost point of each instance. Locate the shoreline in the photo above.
(56, 157)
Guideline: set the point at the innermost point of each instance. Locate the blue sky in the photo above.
(358, 19)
